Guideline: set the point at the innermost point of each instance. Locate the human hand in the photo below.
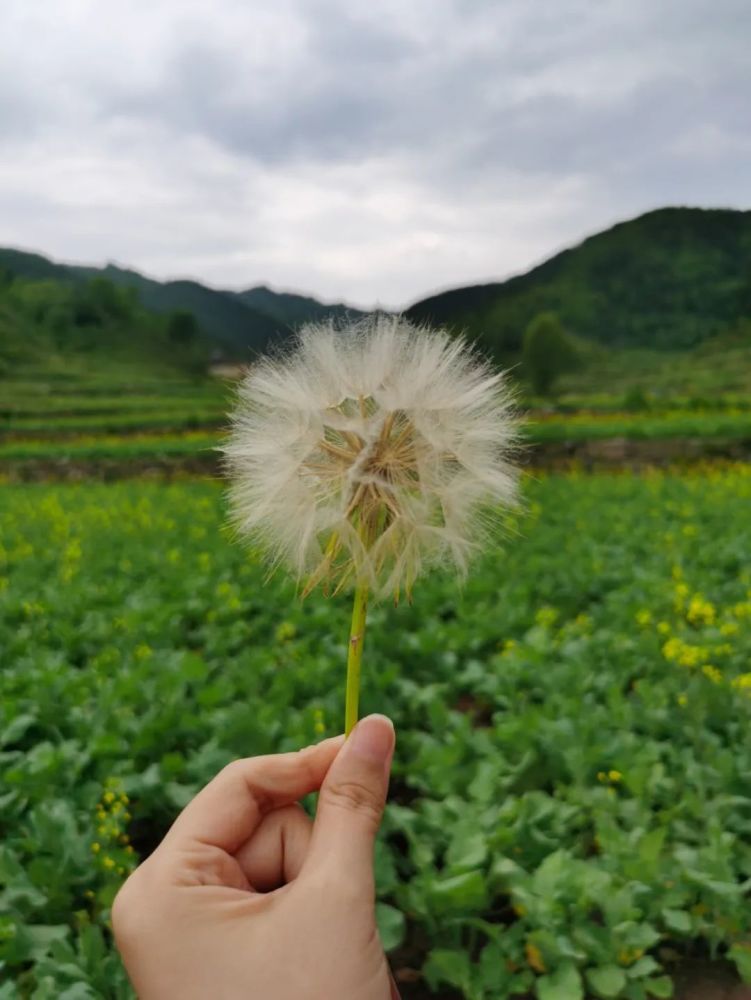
(246, 899)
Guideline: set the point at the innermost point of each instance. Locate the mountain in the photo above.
(293, 310)
(671, 278)
(53, 328)
(236, 324)
(233, 328)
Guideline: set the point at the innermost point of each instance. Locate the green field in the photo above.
(82, 414)
(570, 810)
(197, 437)
(176, 422)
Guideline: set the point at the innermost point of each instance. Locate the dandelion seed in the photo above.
(369, 454)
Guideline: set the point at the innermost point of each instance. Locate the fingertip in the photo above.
(373, 739)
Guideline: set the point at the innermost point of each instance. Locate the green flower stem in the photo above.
(354, 657)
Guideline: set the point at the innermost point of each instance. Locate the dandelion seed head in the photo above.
(370, 452)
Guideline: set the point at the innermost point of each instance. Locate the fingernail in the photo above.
(373, 738)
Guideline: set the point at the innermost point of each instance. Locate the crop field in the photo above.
(74, 422)
(570, 812)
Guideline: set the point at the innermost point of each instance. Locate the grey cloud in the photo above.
(478, 107)
(360, 91)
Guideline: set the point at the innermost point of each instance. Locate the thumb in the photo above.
(352, 799)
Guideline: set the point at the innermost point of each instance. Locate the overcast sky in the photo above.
(370, 151)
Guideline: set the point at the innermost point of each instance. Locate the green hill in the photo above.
(670, 279)
(291, 310)
(236, 324)
(56, 328)
(234, 329)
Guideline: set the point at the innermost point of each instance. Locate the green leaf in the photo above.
(741, 955)
(563, 984)
(466, 892)
(651, 845)
(179, 795)
(42, 936)
(607, 980)
(677, 920)
(660, 987)
(391, 926)
(467, 850)
(16, 729)
(445, 965)
(642, 967)
(548, 877)
(78, 991)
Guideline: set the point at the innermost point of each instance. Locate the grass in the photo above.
(586, 426)
(715, 369)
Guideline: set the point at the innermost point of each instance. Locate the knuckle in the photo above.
(235, 770)
(136, 904)
(357, 797)
(125, 917)
(305, 762)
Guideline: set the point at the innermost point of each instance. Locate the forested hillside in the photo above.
(292, 310)
(49, 326)
(235, 325)
(670, 279)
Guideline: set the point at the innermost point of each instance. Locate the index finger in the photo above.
(227, 811)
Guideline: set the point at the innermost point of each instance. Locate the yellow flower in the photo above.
(712, 673)
(729, 628)
(546, 617)
(643, 617)
(663, 628)
(109, 797)
(672, 649)
(96, 848)
(627, 956)
(534, 957)
(108, 863)
(285, 631)
(682, 700)
(700, 611)
(615, 776)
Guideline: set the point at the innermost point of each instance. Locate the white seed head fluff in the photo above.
(370, 451)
